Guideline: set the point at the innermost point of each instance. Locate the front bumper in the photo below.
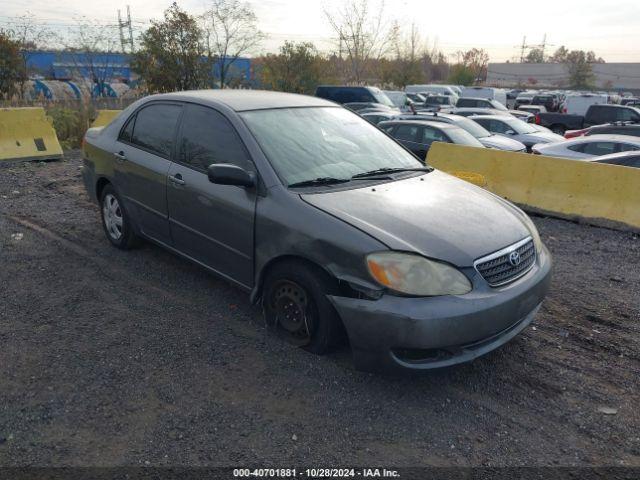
(401, 333)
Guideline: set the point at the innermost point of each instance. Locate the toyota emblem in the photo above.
(514, 258)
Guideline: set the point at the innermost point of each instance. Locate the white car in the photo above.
(437, 89)
(587, 147)
(490, 93)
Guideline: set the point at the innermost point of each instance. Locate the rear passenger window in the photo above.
(154, 128)
(626, 147)
(127, 131)
(433, 135)
(408, 133)
(599, 148)
(208, 138)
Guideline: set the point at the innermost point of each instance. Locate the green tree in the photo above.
(579, 68)
(296, 68)
(171, 55)
(535, 55)
(11, 68)
(461, 75)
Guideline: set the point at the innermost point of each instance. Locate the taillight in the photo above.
(537, 119)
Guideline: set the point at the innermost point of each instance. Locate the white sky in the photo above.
(609, 27)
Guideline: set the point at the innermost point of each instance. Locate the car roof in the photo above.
(440, 125)
(494, 117)
(242, 100)
(611, 156)
(609, 138)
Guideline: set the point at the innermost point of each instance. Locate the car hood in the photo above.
(436, 215)
(502, 143)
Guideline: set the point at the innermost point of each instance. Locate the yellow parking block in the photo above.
(25, 134)
(601, 194)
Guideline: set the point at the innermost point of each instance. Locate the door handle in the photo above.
(120, 156)
(177, 179)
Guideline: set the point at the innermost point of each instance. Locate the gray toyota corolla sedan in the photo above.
(329, 223)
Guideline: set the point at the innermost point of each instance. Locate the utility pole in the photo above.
(122, 25)
(523, 48)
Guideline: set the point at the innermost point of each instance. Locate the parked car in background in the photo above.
(550, 101)
(623, 159)
(418, 135)
(346, 94)
(276, 193)
(578, 104)
(597, 114)
(534, 109)
(471, 102)
(400, 99)
(615, 128)
(376, 117)
(359, 106)
(516, 129)
(586, 147)
(524, 98)
(416, 97)
(431, 88)
(629, 100)
(489, 93)
(468, 112)
(434, 101)
(488, 139)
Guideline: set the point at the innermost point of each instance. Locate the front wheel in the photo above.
(115, 220)
(295, 303)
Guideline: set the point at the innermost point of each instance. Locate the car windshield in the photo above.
(462, 137)
(498, 106)
(382, 98)
(478, 131)
(303, 144)
(518, 126)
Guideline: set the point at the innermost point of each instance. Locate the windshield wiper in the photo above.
(383, 170)
(319, 181)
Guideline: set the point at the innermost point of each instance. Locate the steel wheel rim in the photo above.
(290, 303)
(113, 217)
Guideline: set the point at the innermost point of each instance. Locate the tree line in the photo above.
(183, 51)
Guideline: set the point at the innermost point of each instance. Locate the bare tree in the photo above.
(92, 47)
(362, 33)
(230, 28)
(31, 36)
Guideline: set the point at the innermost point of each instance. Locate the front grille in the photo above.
(507, 264)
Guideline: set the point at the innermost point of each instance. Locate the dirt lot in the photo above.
(138, 358)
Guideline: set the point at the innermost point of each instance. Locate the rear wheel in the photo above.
(115, 220)
(295, 303)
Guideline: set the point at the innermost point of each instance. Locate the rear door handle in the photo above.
(120, 156)
(177, 179)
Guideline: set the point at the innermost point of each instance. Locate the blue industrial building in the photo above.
(109, 67)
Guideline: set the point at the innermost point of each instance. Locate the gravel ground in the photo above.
(112, 358)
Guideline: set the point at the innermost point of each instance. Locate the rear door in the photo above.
(142, 158)
(212, 224)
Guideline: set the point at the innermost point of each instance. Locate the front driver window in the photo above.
(207, 138)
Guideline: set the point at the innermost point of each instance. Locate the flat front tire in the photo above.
(115, 220)
(295, 303)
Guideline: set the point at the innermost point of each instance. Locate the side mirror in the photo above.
(227, 174)
(510, 132)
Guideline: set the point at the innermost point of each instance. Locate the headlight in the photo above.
(415, 275)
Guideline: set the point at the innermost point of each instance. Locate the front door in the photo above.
(212, 224)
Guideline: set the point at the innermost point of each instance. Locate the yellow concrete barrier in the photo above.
(25, 134)
(601, 194)
(105, 117)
